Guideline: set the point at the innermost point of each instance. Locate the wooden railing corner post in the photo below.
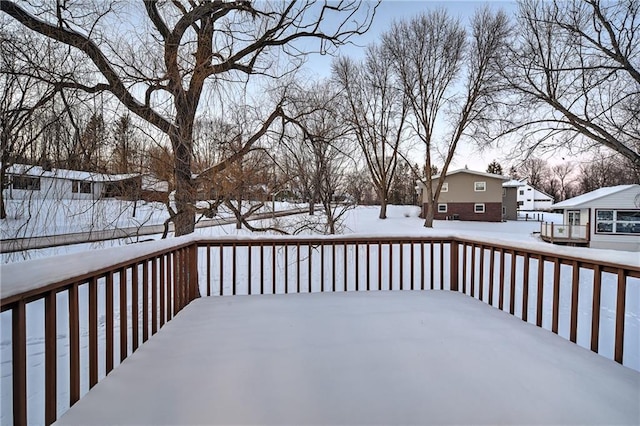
(453, 260)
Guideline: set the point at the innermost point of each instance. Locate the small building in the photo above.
(607, 218)
(35, 182)
(510, 190)
(531, 198)
(468, 195)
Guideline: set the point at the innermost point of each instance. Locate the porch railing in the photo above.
(553, 232)
(136, 298)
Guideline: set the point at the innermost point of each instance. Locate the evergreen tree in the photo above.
(495, 168)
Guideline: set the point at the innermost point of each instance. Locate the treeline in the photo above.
(213, 97)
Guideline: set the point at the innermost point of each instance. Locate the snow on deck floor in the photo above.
(358, 358)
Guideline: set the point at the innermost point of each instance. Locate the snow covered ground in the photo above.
(358, 358)
(402, 220)
(79, 216)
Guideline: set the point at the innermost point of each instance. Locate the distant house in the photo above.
(531, 198)
(34, 182)
(510, 205)
(468, 195)
(606, 218)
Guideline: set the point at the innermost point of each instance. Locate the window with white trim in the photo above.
(81, 187)
(478, 208)
(480, 186)
(618, 221)
(445, 187)
(442, 208)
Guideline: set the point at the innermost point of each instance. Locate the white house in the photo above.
(609, 216)
(34, 182)
(530, 198)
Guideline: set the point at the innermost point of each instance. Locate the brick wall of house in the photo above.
(465, 211)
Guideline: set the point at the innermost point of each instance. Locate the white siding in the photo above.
(53, 189)
(527, 200)
(618, 201)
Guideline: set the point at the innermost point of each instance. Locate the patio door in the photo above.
(573, 217)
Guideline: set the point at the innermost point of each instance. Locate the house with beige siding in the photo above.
(607, 218)
(468, 195)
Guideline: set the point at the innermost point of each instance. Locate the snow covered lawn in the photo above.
(359, 358)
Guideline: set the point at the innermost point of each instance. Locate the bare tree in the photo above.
(22, 103)
(325, 150)
(574, 71)
(376, 111)
(563, 173)
(536, 171)
(163, 75)
(429, 53)
(607, 169)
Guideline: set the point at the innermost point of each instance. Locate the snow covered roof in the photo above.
(473, 172)
(38, 171)
(591, 196)
(150, 183)
(513, 183)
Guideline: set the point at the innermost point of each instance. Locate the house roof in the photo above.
(513, 183)
(473, 172)
(38, 171)
(591, 196)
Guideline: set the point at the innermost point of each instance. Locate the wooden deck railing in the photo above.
(141, 295)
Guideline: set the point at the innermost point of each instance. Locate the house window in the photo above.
(480, 186)
(504, 192)
(522, 192)
(81, 186)
(520, 203)
(618, 221)
(504, 211)
(478, 208)
(442, 208)
(26, 183)
(445, 187)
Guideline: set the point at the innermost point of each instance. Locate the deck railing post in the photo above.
(19, 362)
(453, 260)
(194, 290)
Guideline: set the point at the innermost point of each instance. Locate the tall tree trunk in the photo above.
(312, 206)
(239, 214)
(429, 214)
(383, 204)
(3, 210)
(185, 219)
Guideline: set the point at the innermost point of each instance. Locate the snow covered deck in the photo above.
(430, 357)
